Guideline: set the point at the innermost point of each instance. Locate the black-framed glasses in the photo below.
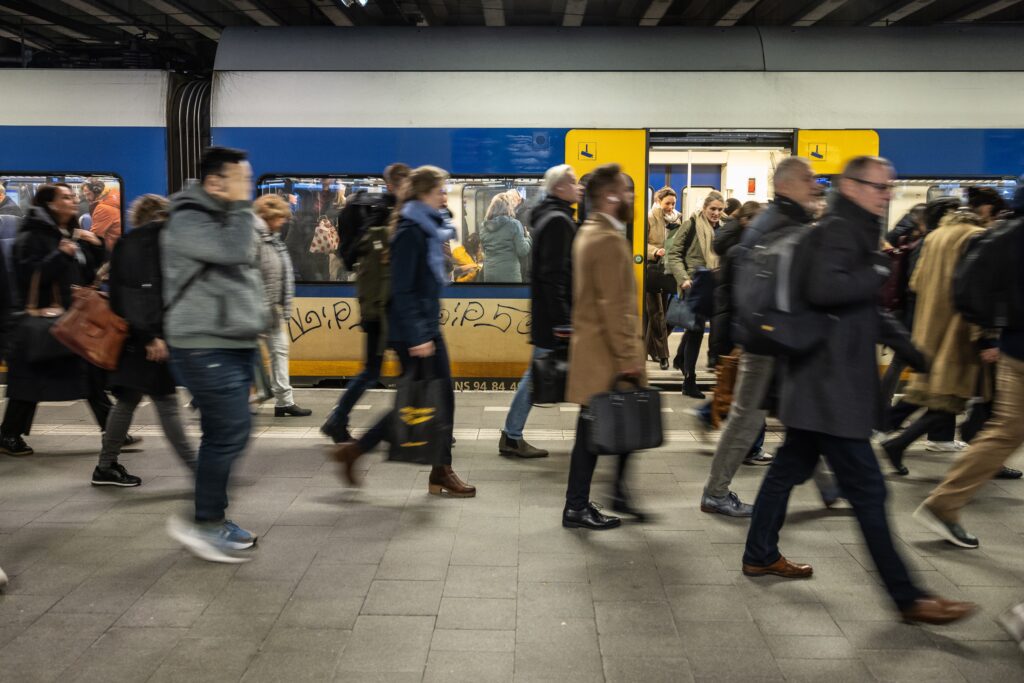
(881, 187)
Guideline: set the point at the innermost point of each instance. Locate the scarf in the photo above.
(706, 238)
(437, 230)
(659, 222)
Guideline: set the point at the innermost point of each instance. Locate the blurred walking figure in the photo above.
(663, 223)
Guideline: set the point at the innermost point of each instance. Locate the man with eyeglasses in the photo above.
(830, 397)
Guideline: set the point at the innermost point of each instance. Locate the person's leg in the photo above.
(977, 415)
(219, 380)
(443, 370)
(746, 419)
(828, 487)
(381, 430)
(794, 464)
(1002, 436)
(860, 480)
(519, 410)
(18, 418)
(895, 446)
(169, 413)
(943, 431)
(692, 340)
(374, 358)
(280, 382)
(655, 338)
(890, 380)
(899, 414)
(99, 401)
(118, 423)
(582, 462)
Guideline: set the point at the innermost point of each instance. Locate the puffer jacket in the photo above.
(278, 275)
(504, 243)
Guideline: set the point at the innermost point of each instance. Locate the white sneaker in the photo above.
(945, 446)
(3, 578)
(210, 544)
(1013, 621)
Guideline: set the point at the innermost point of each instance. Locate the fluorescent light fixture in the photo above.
(349, 3)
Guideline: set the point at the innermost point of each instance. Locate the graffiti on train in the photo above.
(461, 313)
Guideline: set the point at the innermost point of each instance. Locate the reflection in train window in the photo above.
(491, 217)
(98, 197)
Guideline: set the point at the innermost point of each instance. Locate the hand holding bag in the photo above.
(626, 421)
(679, 314)
(421, 429)
(90, 329)
(32, 336)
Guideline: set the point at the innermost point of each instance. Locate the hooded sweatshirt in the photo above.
(212, 282)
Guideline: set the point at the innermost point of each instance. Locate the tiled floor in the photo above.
(387, 583)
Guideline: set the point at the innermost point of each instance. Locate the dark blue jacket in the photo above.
(414, 311)
(1011, 342)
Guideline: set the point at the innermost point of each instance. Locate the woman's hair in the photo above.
(271, 206)
(714, 196)
(937, 209)
(147, 209)
(422, 181)
(732, 206)
(473, 244)
(748, 210)
(662, 193)
(501, 205)
(47, 193)
(985, 196)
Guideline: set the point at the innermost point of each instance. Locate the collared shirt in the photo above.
(619, 225)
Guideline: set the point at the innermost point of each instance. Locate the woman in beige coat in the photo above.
(949, 341)
(606, 340)
(662, 221)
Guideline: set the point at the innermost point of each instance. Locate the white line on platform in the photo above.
(495, 409)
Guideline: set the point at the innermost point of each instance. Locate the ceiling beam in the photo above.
(330, 9)
(254, 12)
(106, 16)
(18, 10)
(494, 12)
(819, 12)
(900, 12)
(984, 11)
(185, 18)
(655, 12)
(21, 40)
(736, 12)
(574, 11)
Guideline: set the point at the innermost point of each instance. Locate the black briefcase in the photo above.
(625, 421)
(547, 377)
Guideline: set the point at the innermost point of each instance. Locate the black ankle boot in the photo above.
(894, 451)
(690, 387)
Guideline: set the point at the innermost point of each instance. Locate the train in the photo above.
(322, 111)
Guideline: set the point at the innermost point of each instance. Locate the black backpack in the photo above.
(986, 285)
(362, 211)
(771, 317)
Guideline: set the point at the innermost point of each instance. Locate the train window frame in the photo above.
(511, 181)
(7, 175)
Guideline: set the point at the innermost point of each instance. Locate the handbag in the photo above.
(679, 314)
(325, 240)
(657, 280)
(32, 336)
(90, 329)
(421, 428)
(548, 375)
(625, 421)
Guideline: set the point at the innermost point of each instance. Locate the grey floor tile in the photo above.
(251, 597)
(642, 644)
(414, 565)
(468, 581)
(158, 611)
(124, 654)
(912, 665)
(643, 618)
(647, 669)
(312, 641)
(387, 644)
(555, 600)
(552, 567)
(814, 670)
(870, 635)
(477, 613)
(410, 598)
(734, 665)
(721, 635)
(276, 667)
(706, 603)
(796, 620)
(251, 628)
(466, 640)
(210, 658)
(470, 667)
(331, 613)
(336, 581)
(50, 645)
(810, 647)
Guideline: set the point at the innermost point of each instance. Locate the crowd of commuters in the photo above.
(205, 277)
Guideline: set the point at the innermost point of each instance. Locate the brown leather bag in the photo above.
(90, 329)
(725, 372)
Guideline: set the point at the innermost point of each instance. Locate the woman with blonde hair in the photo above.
(693, 250)
(136, 295)
(504, 241)
(663, 223)
(418, 278)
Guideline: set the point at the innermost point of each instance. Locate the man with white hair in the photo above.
(550, 294)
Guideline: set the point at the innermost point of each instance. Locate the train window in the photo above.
(98, 196)
(491, 217)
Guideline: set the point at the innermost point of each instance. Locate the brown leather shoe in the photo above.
(781, 567)
(444, 481)
(930, 610)
(346, 455)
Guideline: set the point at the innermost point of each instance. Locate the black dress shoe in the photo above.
(588, 518)
(1009, 473)
(895, 455)
(622, 503)
(690, 389)
(663, 363)
(292, 410)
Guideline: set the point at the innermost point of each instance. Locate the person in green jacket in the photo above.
(504, 242)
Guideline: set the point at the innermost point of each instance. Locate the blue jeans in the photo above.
(515, 422)
(369, 376)
(219, 380)
(860, 482)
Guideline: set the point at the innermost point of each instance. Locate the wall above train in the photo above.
(933, 48)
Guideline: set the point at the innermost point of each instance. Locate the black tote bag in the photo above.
(421, 429)
(626, 421)
(547, 377)
(32, 339)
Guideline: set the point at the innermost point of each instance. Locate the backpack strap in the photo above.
(221, 217)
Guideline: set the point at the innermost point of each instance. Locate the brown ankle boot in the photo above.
(346, 455)
(444, 481)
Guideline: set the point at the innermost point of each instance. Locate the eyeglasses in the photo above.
(881, 187)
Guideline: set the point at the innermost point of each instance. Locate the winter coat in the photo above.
(504, 242)
(106, 217)
(9, 207)
(216, 243)
(551, 265)
(939, 330)
(698, 249)
(414, 310)
(835, 389)
(658, 228)
(136, 294)
(606, 338)
(35, 250)
(278, 276)
(726, 237)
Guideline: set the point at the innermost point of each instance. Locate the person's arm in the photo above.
(522, 240)
(836, 275)
(407, 257)
(198, 236)
(726, 237)
(675, 256)
(611, 259)
(555, 272)
(893, 334)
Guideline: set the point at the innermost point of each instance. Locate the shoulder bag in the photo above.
(90, 329)
(625, 421)
(32, 338)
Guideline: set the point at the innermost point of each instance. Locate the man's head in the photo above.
(395, 177)
(93, 188)
(225, 173)
(561, 182)
(732, 205)
(609, 191)
(794, 180)
(867, 182)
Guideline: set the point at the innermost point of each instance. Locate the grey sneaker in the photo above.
(762, 457)
(729, 505)
(519, 448)
(951, 531)
(210, 542)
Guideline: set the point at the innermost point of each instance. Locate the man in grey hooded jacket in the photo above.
(214, 312)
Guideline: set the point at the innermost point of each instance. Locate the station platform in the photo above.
(388, 583)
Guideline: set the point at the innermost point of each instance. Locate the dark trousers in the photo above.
(20, 414)
(938, 430)
(931, 423)
(442, 369)
(582, 462)
(861, 483)
(689, 349)
(365, 379)
(219, 380)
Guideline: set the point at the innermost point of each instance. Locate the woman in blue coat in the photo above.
(418, 276)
